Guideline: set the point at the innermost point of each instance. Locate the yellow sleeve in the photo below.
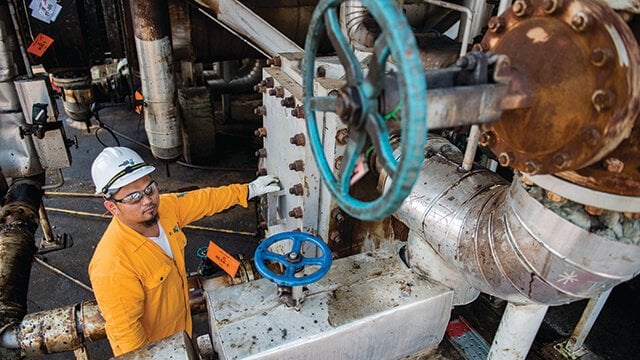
(121, 301)
(195, 205)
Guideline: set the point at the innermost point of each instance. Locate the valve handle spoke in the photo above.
(342, 48)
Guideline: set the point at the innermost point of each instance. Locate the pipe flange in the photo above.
(584, 105)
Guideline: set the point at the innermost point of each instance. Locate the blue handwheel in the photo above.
(292, 261)
(357, 105)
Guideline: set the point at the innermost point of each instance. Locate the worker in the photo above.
(138, 269)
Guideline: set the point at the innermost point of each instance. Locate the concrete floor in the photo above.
(615, 336)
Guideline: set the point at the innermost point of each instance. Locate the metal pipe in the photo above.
(588, 318)
(248, 75)
(472, 147)
(505, 243)
(18, 223)
(518, 328)
(466, 34)
(162, 120)
(242, 20)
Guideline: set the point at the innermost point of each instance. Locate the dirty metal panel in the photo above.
(176, 346)
(16, 158)
(369, 306)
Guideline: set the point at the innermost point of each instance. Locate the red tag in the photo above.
(226, 262)
(40, 44)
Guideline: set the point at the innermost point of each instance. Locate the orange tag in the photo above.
(40, 44)
(227, 262)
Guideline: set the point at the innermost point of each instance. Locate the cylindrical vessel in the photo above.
(153, 43)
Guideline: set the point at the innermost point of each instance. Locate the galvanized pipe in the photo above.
(242, 20)
(246, 77)
(518, 328)
(162, 120)
(505, 243)
(18, 223)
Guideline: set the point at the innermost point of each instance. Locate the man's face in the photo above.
(143, 212)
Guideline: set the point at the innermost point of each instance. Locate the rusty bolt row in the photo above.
(260, 88)
(580, 21)
(275, 61)
(497, 24)
(298, 112)
(288, 102)
(488, 138)
(551, 6)
(260, 110)
(601, 57)
(337, 215)
(297, 165)
(521, 8)
(297, 190)
(342, 136)
(335, 236)
(296, 212)
(260, 132)
(603, 99)
(261, 153)
(613, 165)
(277, 91)
(298, 139)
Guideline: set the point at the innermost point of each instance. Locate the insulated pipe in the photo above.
(505, 243)
(153, 43)
(518, 328)
(242, 20)
(18, 223)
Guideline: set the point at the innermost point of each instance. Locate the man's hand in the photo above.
(263, 185)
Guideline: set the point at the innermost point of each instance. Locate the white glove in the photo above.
(263, 185)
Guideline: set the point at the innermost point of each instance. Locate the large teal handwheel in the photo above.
(357, 105)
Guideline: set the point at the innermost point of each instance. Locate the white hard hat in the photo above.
(116, 167)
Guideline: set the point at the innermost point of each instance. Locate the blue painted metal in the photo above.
(263, 254)
(396, 40)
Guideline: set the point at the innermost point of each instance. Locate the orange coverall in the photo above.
(141, 292)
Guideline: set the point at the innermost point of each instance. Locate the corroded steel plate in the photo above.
(581, 61)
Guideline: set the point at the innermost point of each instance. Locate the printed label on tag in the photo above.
(40, 44)
(227, 262)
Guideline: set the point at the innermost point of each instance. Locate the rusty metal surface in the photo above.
(584, 104)
(602, 176)
(18, 223)
(150, 19)
(49, 332)
(93, 324)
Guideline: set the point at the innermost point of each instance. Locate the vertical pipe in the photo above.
(18, 223)
(472, 146)
(517, 330)
(588, 318)
(153, 43)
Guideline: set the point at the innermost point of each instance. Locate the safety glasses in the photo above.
(136, 196)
